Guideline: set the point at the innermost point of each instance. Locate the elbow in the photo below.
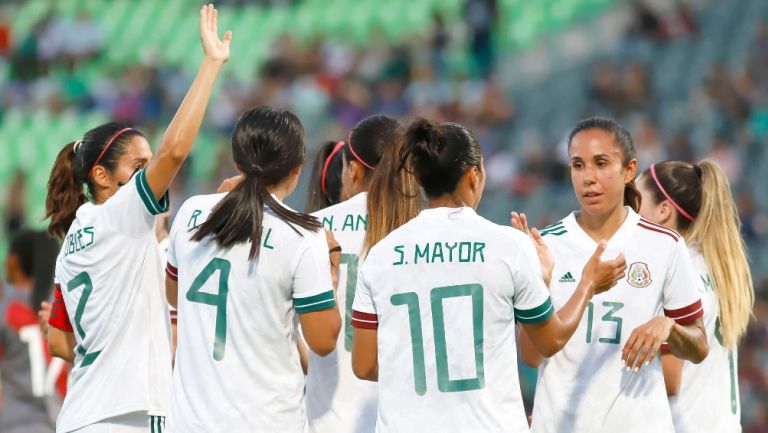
(551, 349)
(701, 352)
(325, 347)
(173, 152)
(365, 372)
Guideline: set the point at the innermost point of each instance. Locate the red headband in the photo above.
(663, 191)
(335, 150)
(357, 157)
(109, 143)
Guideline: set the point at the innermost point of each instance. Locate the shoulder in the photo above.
(657, 233)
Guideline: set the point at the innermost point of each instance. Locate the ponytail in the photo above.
(393, 197)
(717, 231)
(65, 193)
(267, 145)
(632, 197)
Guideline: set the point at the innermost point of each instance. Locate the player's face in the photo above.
(137, 156)
(597, 171)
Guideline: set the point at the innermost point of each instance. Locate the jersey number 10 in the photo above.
(437, 295)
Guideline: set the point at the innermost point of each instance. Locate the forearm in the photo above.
(530, 356)
(689, 342)
(571, 313)
(183, 129)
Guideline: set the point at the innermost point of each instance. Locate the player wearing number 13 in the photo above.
(241, 265)
(585, 387)
(437, 300)
(109, 269)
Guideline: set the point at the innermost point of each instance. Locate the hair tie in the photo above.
(255, 170)
(78, 144)
(109, 143)
(663, 191)
(335, 150)
(357, 157)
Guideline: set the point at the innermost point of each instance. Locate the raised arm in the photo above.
(182, 131)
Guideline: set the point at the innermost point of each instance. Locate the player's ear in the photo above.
(101, 177)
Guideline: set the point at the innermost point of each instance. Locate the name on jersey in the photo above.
(351, 223)
(439, 252)
(79, 240)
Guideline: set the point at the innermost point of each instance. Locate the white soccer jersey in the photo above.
(585, 387)
(444, 291)
(708, 399)
(337, 401)
(111, 278)
(237, 368)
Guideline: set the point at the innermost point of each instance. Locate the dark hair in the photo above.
(266, 145)
(392, 193)
(623, 140)
(682, 181)
(439, 154)
(369, 138)
(36, 253)
(316, 198)
(72, 169)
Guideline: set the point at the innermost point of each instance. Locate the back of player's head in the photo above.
(101, 146)
(325, 180)
(707, 216)
(439, 155)
(33, 255)
(267, 147)
(369, 140)
(376, 143)
(623, 141)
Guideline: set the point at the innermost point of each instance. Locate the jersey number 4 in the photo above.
(218, 300)
(437, 295)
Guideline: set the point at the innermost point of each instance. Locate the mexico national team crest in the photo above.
(639, 275)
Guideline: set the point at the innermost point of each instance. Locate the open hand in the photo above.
(604, 274)
(520, 222)
(645, 341)
(215, 49)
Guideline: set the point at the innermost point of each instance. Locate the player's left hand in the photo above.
(520, 222)
(230, 183)
(645, 341)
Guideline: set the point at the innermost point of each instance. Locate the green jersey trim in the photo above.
(314, 303)
(556, 229)
(148, 197)
(535, 315)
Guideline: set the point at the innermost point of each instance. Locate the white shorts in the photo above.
(134, 422)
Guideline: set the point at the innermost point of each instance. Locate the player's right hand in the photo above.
(603, 274)
(215, 48)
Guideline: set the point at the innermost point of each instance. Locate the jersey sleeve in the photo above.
(312, 284)
(681, 299)
(133, 207)
(363, 309)
(531, 300)
(59, 318)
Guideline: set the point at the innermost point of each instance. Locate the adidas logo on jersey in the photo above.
(567, 278)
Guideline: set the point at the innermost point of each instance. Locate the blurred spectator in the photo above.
(646, 23)
(5, 35)
(14, 213)
(84, 39)
(605, 95)
(681, 21)
(480, 16)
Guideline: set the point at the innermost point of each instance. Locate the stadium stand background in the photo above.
(690, 79)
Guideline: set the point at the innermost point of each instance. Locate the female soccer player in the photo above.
(452, 284)
(325, 179)
(109, 267)
(593, 384)
(245, 265)
(336, 400)
(695, 200)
